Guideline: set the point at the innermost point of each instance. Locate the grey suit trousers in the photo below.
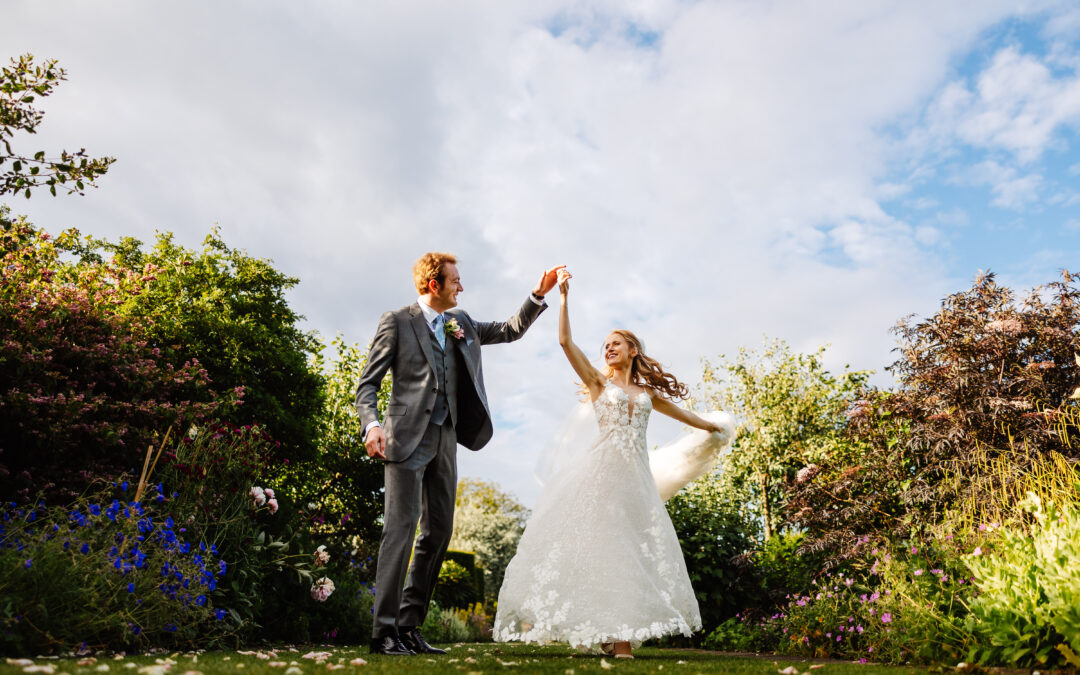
(421, 488)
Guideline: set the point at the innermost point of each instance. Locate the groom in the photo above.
(437, 400)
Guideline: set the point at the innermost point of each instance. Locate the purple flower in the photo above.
(886, 618)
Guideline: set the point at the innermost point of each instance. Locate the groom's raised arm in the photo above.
(379, 359)
(494, 332)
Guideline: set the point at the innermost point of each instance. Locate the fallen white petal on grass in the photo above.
(88, 661)
(790, 670)
(358, 662)
(506, 663)
(318, 656)
(20, 662)
(605, 665)
(49, 668)
(277, 664)
(293, 670)
(815, 666)
(103, 668)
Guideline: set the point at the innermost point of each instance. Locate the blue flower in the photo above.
(131, 587)
(221, 568)
(171, 627)
(135, 629)
(85, 548)
(123, 486)
(95, 510)
(200, 600)
(28, 564)
(220, 614)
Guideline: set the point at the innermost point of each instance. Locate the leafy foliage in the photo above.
(488, 522)
(104, 572)
(1027, 612)
(21, 84)
(83, 392)
(714, 536)
(983, 377)
(228, 310)
(791, 416)
(341, 488)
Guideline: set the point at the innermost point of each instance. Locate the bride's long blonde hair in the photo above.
(646, 372)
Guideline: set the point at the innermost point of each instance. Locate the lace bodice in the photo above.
(615, 414)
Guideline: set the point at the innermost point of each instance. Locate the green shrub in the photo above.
(713, 537)
(444, 625)
(1027, 612)
(455, 586)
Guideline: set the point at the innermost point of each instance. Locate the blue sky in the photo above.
(712, 172)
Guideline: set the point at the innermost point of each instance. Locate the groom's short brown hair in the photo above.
(430, 266)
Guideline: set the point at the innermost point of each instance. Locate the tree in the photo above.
(228, 310)
(20, 85)
(488, 522)
(792, 414)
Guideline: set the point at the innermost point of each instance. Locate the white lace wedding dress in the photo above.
(599, 560)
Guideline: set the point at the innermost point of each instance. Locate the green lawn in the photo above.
(466, 658)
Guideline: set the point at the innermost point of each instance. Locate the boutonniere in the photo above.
(453, 329)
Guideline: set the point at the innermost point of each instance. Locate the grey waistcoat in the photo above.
(446, 374)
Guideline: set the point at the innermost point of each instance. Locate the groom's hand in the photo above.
(548, 280)
(376, 443)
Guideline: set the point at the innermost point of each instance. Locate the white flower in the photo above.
(322, 589)
(272, 503)
(258, 495)
(321, 556)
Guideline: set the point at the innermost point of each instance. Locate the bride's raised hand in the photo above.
(564, 281)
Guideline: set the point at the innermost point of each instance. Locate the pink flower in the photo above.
(977, 551)
(258, 495)
(322, 589)
(886, 618)
(321, 556)
(806, 473)
(272, 505)
(269, 493)
(918, 573)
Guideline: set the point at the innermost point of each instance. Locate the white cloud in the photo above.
(1017, 105)
(1011, 190)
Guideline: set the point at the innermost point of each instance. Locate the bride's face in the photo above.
(618, 352)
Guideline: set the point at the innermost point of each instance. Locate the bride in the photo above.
(599, 564)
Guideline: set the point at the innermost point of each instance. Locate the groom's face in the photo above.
(451, 286)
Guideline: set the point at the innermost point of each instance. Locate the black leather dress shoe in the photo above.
(413, 640)
(390, 645)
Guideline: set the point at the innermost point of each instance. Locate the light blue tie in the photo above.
(440, 333)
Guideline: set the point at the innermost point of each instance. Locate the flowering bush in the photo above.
(82, 392)
(106, 572)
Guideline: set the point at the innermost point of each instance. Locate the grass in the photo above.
(465, 658)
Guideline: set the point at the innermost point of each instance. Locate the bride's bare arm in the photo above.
(589, 375)
(663, 405)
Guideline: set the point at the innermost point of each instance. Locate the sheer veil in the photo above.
(674, 465)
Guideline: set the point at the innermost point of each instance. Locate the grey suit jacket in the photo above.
(402, 345)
